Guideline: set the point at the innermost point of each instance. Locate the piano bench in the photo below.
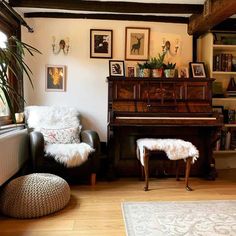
(175, 149)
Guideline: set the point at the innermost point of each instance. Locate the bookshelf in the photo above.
(209, 51)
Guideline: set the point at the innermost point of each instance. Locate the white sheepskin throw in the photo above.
(175, 149)
(70, 155)
(56, 117)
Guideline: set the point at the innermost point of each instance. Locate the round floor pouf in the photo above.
(34, 195)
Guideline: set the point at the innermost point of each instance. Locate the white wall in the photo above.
(86, 78)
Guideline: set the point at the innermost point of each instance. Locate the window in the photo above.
(4, 110)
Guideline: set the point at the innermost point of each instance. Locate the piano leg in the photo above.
(146, 168)
(187, 171)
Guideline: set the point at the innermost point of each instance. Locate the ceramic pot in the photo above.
(157, 72)
(169, 73)
(144, 73)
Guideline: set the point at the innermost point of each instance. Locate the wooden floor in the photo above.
(97, 210)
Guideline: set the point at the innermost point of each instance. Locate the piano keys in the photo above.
(160, 108)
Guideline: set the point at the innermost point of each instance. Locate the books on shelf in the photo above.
(222, 62)
(227, 140)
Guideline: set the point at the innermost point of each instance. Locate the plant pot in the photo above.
(144, 72)
(169, 73)
(157, 72)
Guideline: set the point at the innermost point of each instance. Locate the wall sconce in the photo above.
(166, 47)
(62, 46)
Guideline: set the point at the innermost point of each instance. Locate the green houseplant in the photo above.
(13, 67)
(144, 69)
(169, 70)
(157, 65)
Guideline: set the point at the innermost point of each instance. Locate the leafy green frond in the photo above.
(12, 61)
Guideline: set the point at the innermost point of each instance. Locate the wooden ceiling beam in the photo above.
(125, 17)
(109, 6)
(219, 10)
(8, 18)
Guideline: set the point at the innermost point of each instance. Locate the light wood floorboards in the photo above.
(96, 211)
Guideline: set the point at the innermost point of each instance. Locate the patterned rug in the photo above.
(188, 218)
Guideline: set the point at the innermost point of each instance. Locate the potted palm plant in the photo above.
(144, 70)
(157, 65)
(169, 70)
(13, 65)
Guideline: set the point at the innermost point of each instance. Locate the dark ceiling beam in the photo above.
(125, 17)
(228, 25)
(108, 6)
(219, 10)
(7, 17)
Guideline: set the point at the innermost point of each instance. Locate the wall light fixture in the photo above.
(166, 47)
(63, 46)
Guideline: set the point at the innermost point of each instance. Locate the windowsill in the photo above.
(7, 128)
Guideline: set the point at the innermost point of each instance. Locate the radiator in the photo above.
(13, 153)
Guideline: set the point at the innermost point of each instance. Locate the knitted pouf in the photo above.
(34, 195)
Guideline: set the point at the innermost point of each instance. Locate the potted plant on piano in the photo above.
(157, 65)
(144, 70)
(169, 70)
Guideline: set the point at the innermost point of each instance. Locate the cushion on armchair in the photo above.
(64, 136)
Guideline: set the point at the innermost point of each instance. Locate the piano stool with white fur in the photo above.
(175, 149)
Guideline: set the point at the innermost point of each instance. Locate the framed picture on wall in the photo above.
(100, 43)
(55, 78)
(197, 69)
(116, 68)
(137, 43)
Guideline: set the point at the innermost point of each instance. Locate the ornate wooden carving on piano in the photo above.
(163, 107)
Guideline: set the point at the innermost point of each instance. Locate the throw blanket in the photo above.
(175, 149)
(70, 155)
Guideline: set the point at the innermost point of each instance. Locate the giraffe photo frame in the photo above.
(137, 43)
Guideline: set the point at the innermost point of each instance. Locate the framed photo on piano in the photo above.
(183, 72)
(197, 69)
(116, 68)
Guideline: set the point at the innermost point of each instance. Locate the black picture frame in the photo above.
(101, 43)
(197, 69)
(116, 68)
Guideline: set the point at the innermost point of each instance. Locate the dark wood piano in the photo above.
(160, 108)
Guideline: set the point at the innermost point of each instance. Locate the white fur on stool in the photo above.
(175, 149)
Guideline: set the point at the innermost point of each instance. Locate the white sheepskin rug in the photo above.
(57, 117)
(70, 155)
(175, 149)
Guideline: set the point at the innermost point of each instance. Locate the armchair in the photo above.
(57, 129)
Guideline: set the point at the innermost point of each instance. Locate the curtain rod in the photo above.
(22, 21)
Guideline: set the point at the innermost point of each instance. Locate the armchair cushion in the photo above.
(63, 136)
(70, 155)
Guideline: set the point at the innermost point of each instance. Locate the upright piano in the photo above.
(160, 108)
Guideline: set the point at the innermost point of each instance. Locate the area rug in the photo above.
(188, 218)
